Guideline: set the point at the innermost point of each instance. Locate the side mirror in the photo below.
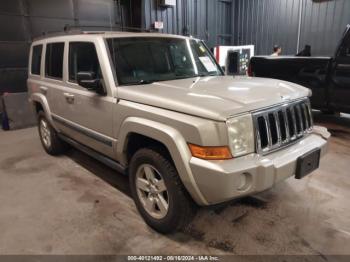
(90, 81)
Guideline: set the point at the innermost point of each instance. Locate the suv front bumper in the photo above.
(219, 181)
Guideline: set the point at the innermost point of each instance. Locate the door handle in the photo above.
(43, 89)
(69, 97)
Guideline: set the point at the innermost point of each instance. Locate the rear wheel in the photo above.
(158, 192)
(52, 144)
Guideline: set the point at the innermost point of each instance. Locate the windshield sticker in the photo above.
(208, 64)
(202, 49)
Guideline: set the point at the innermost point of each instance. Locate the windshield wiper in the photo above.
(142, 82)
(151, 81)
(203, 75)
(145, 82)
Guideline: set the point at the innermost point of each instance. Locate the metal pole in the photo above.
(299, 25)
(120, 14)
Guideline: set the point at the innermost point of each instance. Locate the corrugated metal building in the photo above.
(21, 20)
(210, 20)
(289, 23)
(264, 23)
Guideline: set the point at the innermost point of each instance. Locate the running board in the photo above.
(105, 160)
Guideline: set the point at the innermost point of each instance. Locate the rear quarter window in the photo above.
(36, 59)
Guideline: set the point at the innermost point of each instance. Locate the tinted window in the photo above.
(36, 59)
(83, 58)
(144, 60)
(347, 47)
(347, 52)
(54, 60)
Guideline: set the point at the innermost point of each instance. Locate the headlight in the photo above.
(241, 135)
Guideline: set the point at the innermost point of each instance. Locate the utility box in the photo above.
(234, 59)
(17, 112)
(167, 3)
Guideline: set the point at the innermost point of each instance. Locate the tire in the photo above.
(52, 144)
(181, 208)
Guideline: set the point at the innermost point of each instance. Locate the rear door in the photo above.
(340, 76)
(53, 84)
(82, 114)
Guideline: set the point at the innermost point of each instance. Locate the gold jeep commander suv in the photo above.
(158, 108)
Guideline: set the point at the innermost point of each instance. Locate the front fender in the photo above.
(174, 142)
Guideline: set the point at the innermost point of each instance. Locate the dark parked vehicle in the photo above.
(327, 77)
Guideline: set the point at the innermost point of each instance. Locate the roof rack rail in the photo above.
(110, 28)
(71, 30)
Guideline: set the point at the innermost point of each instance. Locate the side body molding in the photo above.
(174, 142)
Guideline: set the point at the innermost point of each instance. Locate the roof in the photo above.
(106, 34)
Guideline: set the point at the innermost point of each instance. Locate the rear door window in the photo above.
(36, 59)
(54, 60)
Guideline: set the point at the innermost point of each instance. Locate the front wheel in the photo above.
(158, 192)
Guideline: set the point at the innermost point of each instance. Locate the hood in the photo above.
(217, 97)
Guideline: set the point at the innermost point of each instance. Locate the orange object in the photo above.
(210, 152)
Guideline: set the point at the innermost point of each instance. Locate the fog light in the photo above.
(245, 181)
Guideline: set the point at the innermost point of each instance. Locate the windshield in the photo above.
(145, 60)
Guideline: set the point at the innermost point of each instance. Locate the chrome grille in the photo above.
(279, 126)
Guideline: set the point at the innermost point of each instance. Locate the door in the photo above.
(83, 114)
(53, 84)
(340, 76)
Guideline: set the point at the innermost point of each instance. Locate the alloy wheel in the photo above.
(152, 191)
(45, 133)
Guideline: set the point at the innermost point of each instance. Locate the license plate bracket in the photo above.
(307, 163)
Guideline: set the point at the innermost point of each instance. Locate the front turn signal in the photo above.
(210, 152)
